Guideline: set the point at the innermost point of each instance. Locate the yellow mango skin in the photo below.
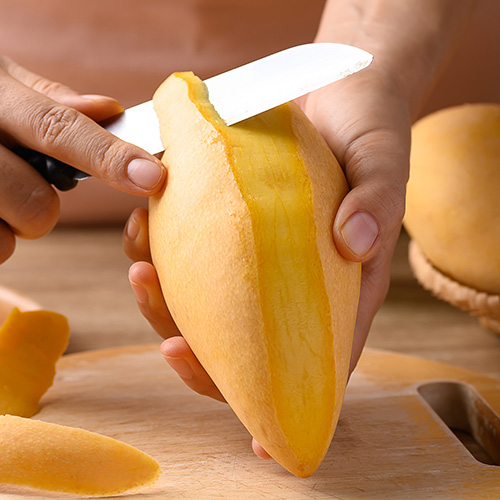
(453, 202)
(31, 342)
(53, 457)
(240, 238)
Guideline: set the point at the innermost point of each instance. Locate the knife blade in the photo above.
(252, 88)
(236, 95)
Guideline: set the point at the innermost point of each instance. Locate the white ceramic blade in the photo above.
(138, 125)
(266, 83)
(253, 88)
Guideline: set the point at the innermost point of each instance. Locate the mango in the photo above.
(54, 457)
(31, 342)
(241, 237)
(453, 202)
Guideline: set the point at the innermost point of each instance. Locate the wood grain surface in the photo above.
(389, 443)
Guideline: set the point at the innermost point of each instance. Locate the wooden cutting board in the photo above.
(389, 443)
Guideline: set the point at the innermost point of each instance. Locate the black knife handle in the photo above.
(63, 176)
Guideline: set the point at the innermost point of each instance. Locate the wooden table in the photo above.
(82, 273)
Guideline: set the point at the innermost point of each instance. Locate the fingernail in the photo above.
(141, 294)
(181, 366)
(98, 98)
(102, 99)
(132, 228)
(359, 233)
(145, 174)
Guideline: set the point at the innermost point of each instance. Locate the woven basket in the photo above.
(483, 305)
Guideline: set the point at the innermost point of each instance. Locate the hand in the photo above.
(51, 118)
(366, 121)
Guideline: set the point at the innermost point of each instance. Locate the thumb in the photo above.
(33, 120)
(367, 124)
(373, 209)
(97, 107)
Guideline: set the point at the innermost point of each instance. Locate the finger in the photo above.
(374, 207)
(181, 358)
(96, 107)
(259, 451)
(147, 290)
(144, 282)
(7, 241)
(28, 204)
(39, 123)
(135, 236)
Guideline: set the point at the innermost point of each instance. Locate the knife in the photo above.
(236, 95)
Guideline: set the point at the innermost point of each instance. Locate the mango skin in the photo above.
(453, 202)
(286, 382)
(55, 457)
(31, 342)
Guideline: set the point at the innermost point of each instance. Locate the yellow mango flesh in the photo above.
(240, 240)
(58, 458)
(289, 270)
(30, 344)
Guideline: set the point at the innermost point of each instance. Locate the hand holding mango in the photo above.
(46, 116)
(366, 122)
(146, 283)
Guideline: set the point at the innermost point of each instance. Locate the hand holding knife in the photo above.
(237, 95)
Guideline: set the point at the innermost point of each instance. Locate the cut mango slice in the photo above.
(30, 344)
(54, 457)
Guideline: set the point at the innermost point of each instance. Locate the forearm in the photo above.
(410, 41)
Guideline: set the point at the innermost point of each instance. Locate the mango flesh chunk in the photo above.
(58, 458)
(31, 342)
(241, 238)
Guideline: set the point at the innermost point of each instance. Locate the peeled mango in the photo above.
(453, 202)
(242, 241)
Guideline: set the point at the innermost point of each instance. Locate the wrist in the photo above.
(411, 41)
